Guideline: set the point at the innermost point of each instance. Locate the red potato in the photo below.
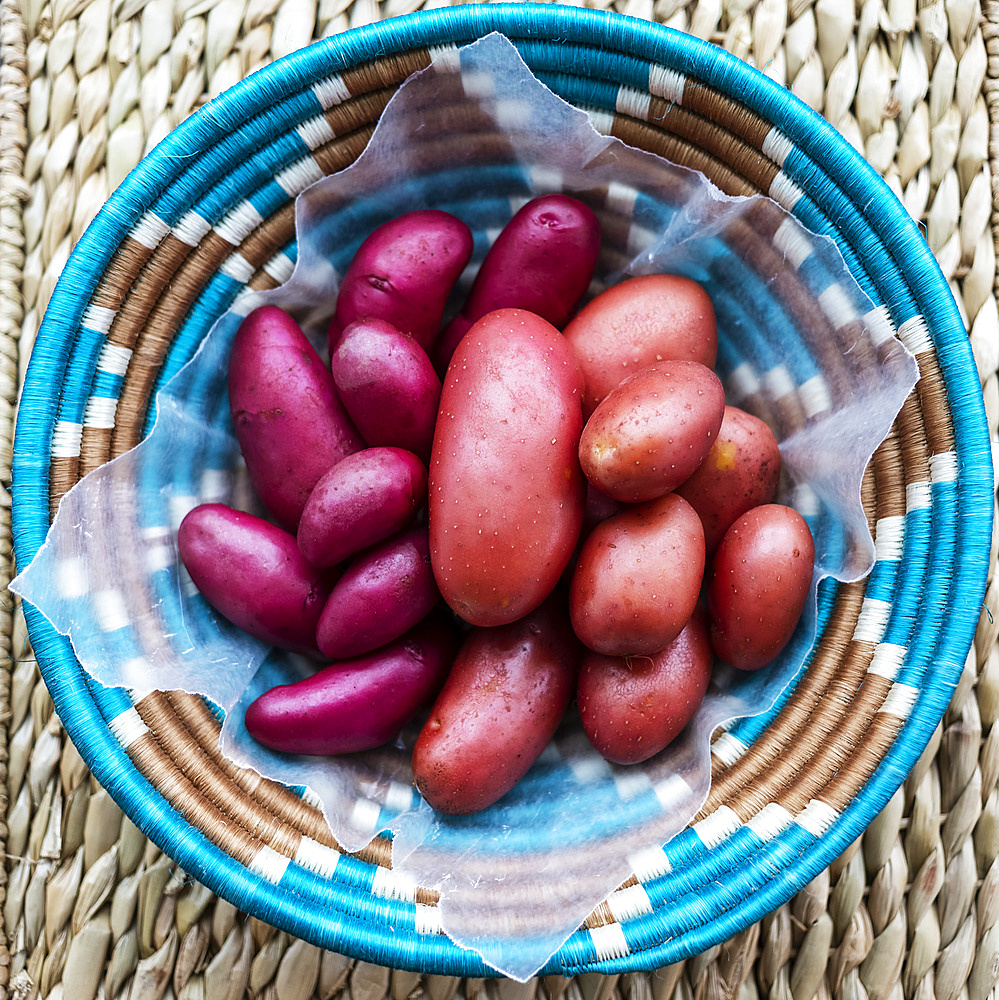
(500, 705)
(388, 386)
(360, 703)
(506, 493)
(252, 573)
(362, 500)
(383, 592)
(542, 261)
(638, 577)
(740, 472)
(759, 583)
(289, 422)
(637, 323)
(651, 433)
(403, 273)
(632, 707)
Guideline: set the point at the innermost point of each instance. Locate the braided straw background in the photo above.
(91, 909)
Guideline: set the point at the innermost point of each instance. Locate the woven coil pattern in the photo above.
(171, 739)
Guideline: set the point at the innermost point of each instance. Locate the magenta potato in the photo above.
(759, 583)
(542, 261)
(651, 432)
(252, 573)
(632, 707)
(403, 273)
(289, 421)
(506, 493)
(360, 703)
(382, 593)
(387, 385)
(739, 472)
(504, 698)
(638, 577)
(361, 501)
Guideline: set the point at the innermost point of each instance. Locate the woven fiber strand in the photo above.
(905, 912)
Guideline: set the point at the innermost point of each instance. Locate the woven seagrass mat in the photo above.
(92, 909)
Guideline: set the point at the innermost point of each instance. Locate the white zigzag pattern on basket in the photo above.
(127, 727)
(880, 325)
(872, 620)
(629, 783)
(159, 553)
(790, 239)
(71, 578)
(428, 919)
(627, 903)
(717, 826)
(635, 103)
(445, 58)
(214, 484)
(238, 223)
(365, 814)
(887, 660)
(771, 821)
(728, 748)
(915, 334)
(389, 884)
(191, 228)
(66, 437)
(889, 538)
(649, 864)
(297, 176)
(918, 496)
(546, 178)
(245, 302)
(609, 941)
(317, 857)
(620, 198)
(237, 267)
(98, 318)
(944, 467)
(330, 91)
(99, 413)
(180, 506)
(602, 121)
(815, 396)
(779, 382)
(743, 381)
(269, 864)
(316, 131)
(149, 231)
(673, 792)
(900, 700)
(114, 359)
(280, 267)
(836, 303)
(805, 500)
(817, 817)
(785, 192)
(666, 83)
(777, 147)
(110, 610)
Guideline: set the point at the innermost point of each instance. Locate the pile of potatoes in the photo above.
(485, 520)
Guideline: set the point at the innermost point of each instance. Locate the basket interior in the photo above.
(186, 234)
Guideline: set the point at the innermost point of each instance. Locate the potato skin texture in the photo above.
(383, 592)
(506, 493)
(361, 501)
(252, 572)
(289, 421)
(637, 323)
(760, 578)
(739, 472)
(500, 705)
(632, 707)
(360, 703)
(638, 577)
(651, 433)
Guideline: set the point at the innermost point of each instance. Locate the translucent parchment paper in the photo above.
(800, 344)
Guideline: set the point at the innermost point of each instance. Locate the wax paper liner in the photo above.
(800, 345)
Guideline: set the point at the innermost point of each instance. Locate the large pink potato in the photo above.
(383, 592)
(252, 573)
(506, 493)
(637, 323)
(362, 500)
(542, 261)
(632, 707)
(360, 703)
(759, 583)
(388, 386)
(638, 577)
(739, 472)
(289, 422)
(403, 273)
(500, 705)
(651, 433)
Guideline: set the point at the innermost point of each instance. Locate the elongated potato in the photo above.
(637, 323)
(500, 705)
(252, 572)
(506, 493)
(357, 704)
(403, 273)
(542, 261)
(638, 577)
(632, 707)
(289, 421)
(383, 592)
(651, 433)
(360, 501)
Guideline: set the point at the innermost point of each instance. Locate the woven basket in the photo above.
(791, 789)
